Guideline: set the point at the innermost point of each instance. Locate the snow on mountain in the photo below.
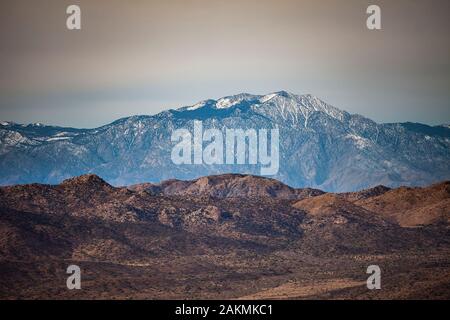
(198, 105)
(320, 146)
(230, 101)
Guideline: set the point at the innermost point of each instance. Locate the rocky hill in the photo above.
(223, 236)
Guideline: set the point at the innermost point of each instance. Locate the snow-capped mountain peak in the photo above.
(222, 103)
(227, 102)
(284, 106)
(199, 105)
(320, 146)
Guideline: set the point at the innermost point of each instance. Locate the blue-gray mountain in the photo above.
(320, 146)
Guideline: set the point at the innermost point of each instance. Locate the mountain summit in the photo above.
(320, 146)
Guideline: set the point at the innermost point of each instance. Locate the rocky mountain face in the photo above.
(320, 146)
(412, 206)
(223, 236)
(227, 186)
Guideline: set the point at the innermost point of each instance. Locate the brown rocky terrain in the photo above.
(227, 236)
(412, 206)
(228, 186)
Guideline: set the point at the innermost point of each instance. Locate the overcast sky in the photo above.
(141, 57)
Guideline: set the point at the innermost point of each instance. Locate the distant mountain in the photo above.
(320, 146)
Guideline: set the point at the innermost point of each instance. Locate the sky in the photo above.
(142, 57)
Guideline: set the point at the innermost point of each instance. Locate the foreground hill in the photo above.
(224, 236)
(320, 146)
(412, 206)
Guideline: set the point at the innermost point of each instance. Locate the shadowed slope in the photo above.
(412, 206)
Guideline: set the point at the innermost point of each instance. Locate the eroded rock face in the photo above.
(167, 215)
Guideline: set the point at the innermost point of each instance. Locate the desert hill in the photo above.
(224, 236)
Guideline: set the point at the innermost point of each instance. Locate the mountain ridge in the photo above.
(139, 244)
(405, 206)
(320, 146)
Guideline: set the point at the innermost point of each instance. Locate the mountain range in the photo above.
(320, 146)
(223, 236)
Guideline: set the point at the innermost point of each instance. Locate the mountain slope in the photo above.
(228, 186)
(239, 241)
(412, 206)
(320, 146)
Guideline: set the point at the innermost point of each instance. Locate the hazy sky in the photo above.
(141, 57)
